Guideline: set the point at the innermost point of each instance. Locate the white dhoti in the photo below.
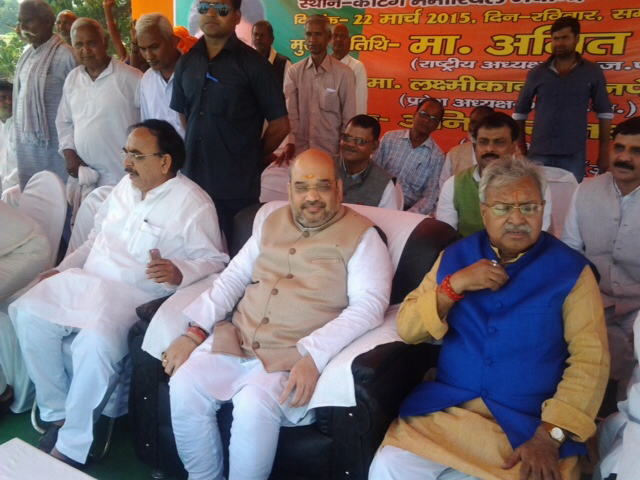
(100, 317)
(198, 389)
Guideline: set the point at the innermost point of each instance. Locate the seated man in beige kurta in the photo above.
(524, 358)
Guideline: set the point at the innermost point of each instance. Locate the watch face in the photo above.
(557, 434)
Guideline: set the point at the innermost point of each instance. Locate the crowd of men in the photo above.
(185, 146)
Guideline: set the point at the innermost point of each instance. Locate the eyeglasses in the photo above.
(302, 189)
(427, 116)
(528, 209)
(357, 140)
(221, 9)
(138, 156)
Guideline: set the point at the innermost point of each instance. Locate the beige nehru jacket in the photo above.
(299, 283)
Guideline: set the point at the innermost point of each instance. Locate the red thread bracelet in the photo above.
(198, 332)
(446, 288)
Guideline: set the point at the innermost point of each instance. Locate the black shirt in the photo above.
(226, 101)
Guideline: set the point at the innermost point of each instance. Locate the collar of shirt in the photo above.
(551, 62)
(160, 190)
(355, 176)
(476, 174)
(201, 45)
(272, 55)
(624, 199)
(161, 78)
(325, 65)
(427, 143)
(105, 72)
(510, 261)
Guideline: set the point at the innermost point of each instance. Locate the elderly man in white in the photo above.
(99, 101)
(155, 233)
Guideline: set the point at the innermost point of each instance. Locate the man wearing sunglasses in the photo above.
(155, 233)
(495, 137)
(363, 181)
(415, 158)
(524, 358)
(224, 90)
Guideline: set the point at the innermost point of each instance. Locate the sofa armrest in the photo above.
(146, 311)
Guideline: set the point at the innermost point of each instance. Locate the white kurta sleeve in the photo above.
(217, 302)
(64, 119)
(571, 231)
(203, 246)
(369, 276)
(446, 211)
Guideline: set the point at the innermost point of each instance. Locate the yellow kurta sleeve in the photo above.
(418, 319)
(580, 392)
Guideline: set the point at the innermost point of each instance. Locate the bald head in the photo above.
(315, 192)
(64, 20)
(340, 41)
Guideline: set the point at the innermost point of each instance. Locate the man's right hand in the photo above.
(73, 162)
(177, 353)
(286, 156)
(478, 276)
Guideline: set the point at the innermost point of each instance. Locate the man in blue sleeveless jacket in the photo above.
(524, 359)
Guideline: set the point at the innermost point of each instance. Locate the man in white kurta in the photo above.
(154, 213)
(99, 102)
(8, 167)
(341, 46)
(302, 295)
(158, 46)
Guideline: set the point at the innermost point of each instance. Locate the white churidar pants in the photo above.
(392, 463)
(76, 397)
(198, 389)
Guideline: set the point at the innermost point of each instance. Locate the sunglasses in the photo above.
(221, 9)
(357, 140)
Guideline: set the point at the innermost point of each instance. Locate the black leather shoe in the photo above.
(72, 463)
(48, 439)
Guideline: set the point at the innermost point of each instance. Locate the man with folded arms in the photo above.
(314, 276)
(524, 359)
(155, 233)
(603, 222)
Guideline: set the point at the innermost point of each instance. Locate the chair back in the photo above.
(414, 242)
(562, 185)
(86, 216)
(44, 200)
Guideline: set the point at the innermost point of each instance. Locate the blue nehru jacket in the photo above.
(506, 347)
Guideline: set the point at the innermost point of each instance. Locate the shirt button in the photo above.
(498, 304)
(201, 113)
(488, 361)
(305, 234)
(274, 291)
(290, 276)
(265, 320)
(255, 345)
(292, 251)
(615, 284)
(492, 329)
(483, 393)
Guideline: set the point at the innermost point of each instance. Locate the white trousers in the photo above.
(76, 397)
(199, 387)
(392, 463)
(12, 364)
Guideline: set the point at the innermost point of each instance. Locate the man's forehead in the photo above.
(431, 107)
(150, 36)
(500, 132)
(633, 140)
(359, 131)
(141, 138)
(525, 190)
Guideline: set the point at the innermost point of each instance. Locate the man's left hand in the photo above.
(303, 378)
(603, 161)
(164, 271)
(539, 457)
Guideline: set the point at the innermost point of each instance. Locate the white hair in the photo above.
(507, 170)
(88, 22)
(149, 20)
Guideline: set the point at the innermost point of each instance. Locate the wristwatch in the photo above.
(555, 432)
